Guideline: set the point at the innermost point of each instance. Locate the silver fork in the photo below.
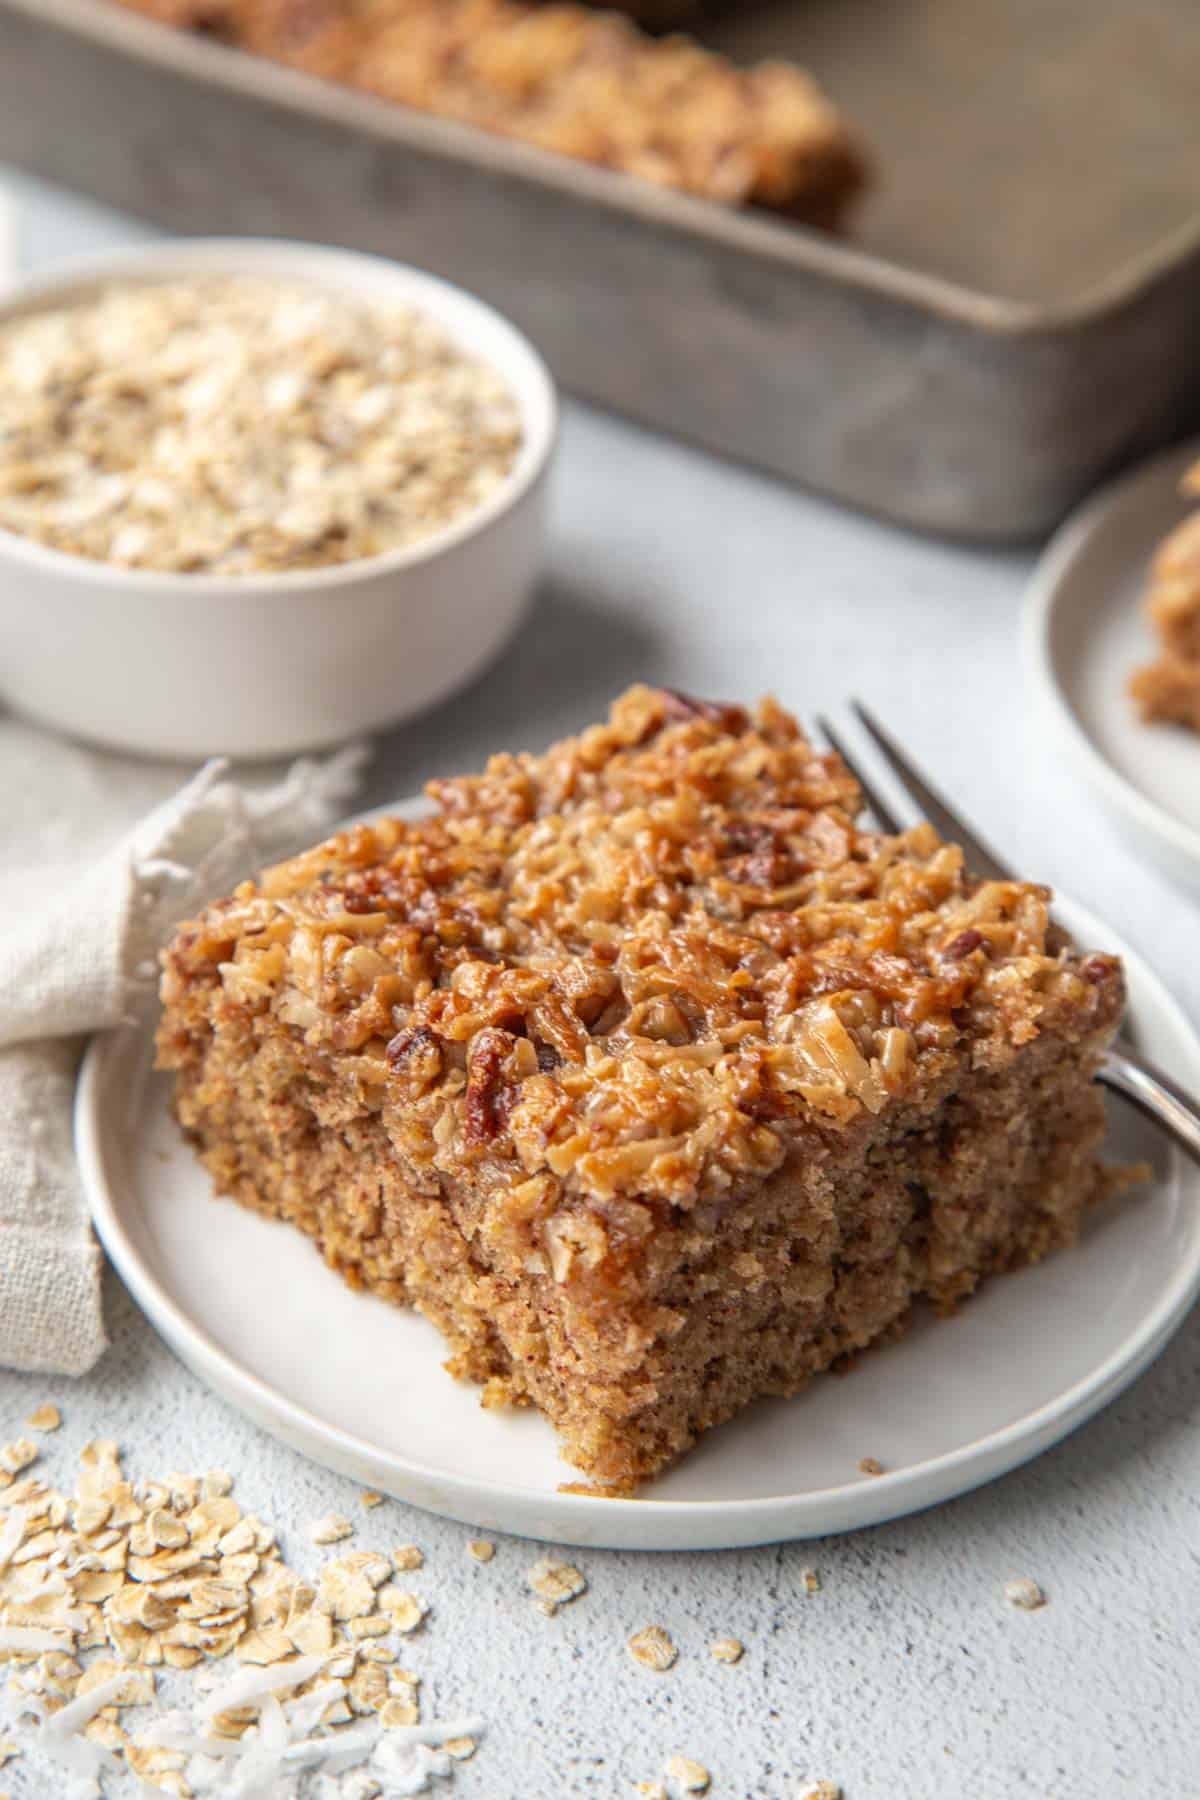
(1124, 1068)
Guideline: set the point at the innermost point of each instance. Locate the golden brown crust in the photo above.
(567, 78)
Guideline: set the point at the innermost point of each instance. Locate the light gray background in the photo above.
(906, 1677)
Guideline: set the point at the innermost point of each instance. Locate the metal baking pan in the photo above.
(1014, 318)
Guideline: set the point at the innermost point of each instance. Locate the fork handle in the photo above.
(1155, 1094)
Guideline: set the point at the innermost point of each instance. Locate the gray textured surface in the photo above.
(906, 1677)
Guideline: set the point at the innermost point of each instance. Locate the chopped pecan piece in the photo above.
(485, 1092)
(686, 706)
(415, 1053)
(1098, 968)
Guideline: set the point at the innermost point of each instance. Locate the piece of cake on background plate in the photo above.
(646, 1071)
(1168, 689)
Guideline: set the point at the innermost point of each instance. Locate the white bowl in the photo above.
(263, 665)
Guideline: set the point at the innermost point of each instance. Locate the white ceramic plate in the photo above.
(359, 1385)
(1084, 634)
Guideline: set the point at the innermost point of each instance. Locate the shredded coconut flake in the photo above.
(27, 1640)
(76, 1713)
(57, 1738)
(11, 1533)
(245, 1689)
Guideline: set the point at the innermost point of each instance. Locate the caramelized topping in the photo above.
(640, 967)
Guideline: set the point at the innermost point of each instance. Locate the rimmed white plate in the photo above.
(1084, 634)
(359, 1385)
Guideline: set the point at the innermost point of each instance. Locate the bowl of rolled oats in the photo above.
(257, 497)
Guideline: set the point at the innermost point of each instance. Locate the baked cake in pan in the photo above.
(568, 78)
(646, 1071)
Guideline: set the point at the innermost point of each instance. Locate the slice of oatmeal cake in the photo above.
(646, 1071)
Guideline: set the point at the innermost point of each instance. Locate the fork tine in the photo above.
(980, 859)
(883, 812)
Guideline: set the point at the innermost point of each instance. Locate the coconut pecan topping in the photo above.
(640, 969)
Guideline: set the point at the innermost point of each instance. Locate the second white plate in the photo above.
(359, 1385)
(1084, 636)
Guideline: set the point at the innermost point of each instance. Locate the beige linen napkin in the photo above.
(78, 949)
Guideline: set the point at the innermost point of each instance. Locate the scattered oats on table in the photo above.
(100, 1588)
(870, 1465)
(1024, 1594)
(689, 1776)
(727, 1650)
(820, 1790)
(44, 1418)
(237, 425)
(555, 1583)
(398, 1711)
(331, 1529)
(370, 1627)
(370, 1499)
(482, 1549)
(406, 1558)
(18, 1455)
(653, 1648)
(810, 1581)
(405, 1610)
